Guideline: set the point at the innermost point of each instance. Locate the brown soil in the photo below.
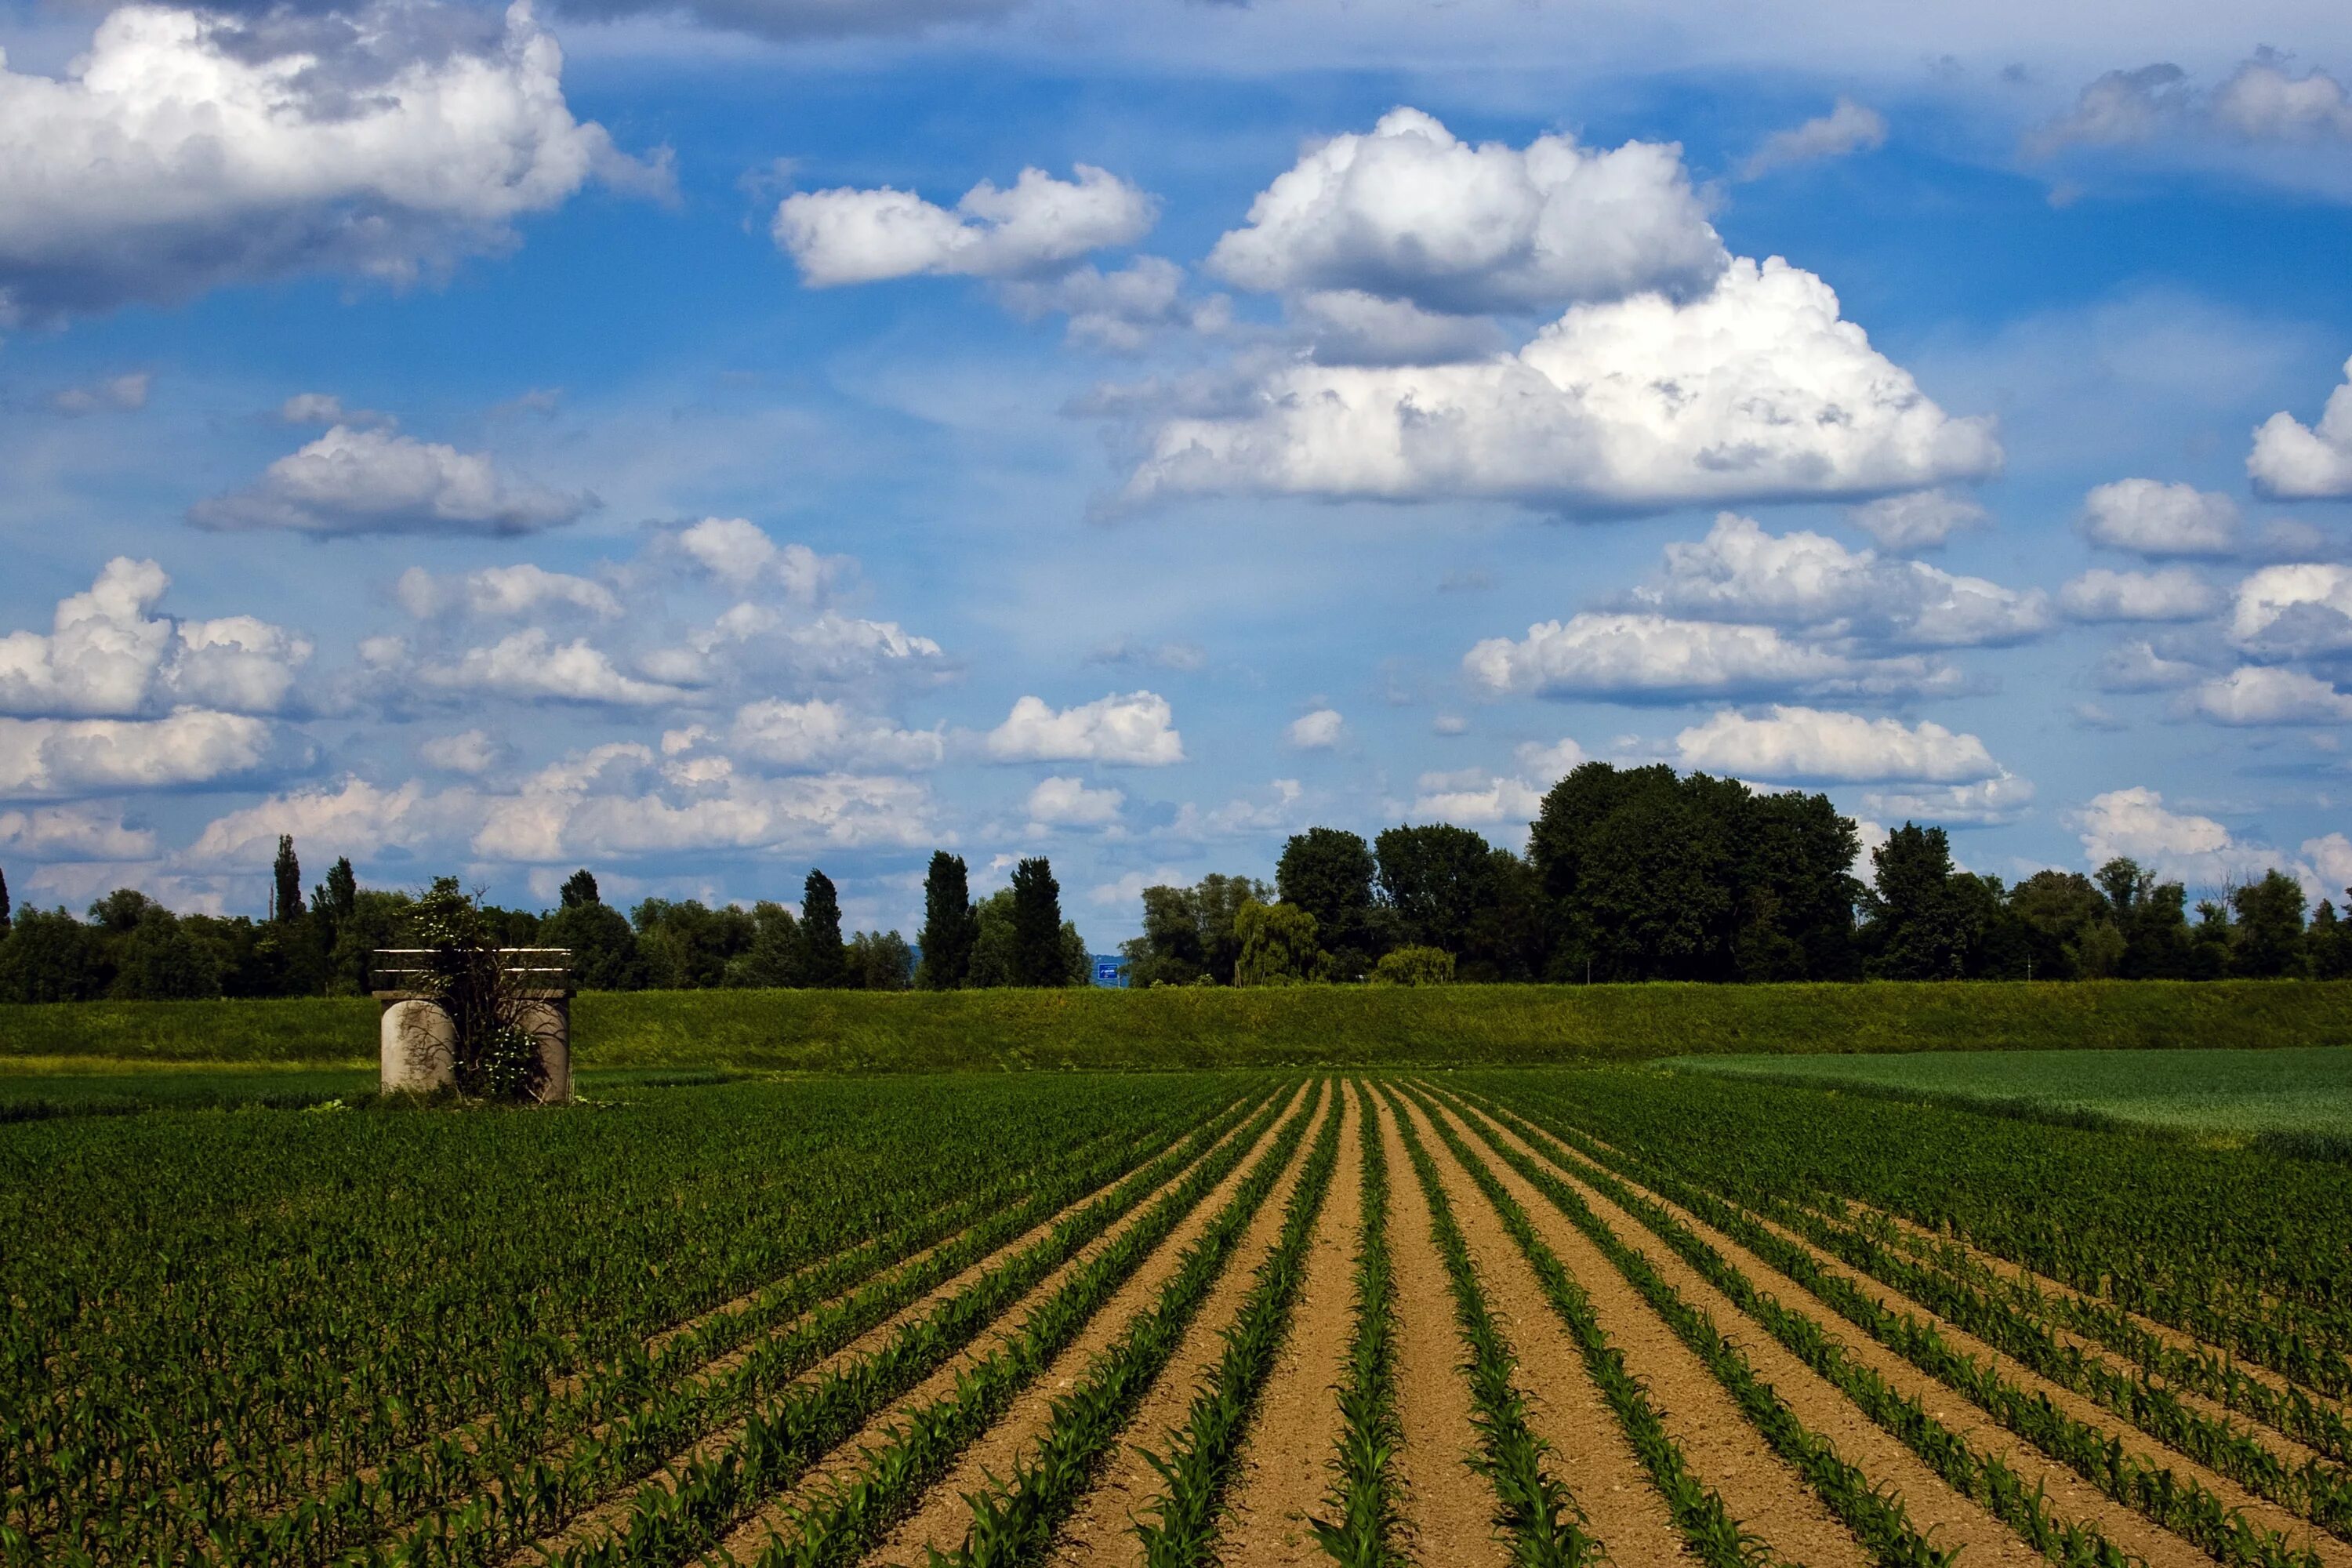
(1723, 1450)
(1448, 1508)
(1589, 1450)
(1286, 1462)
(944, 1517)
(2070, 1498)
(1917, 1238)
(751, 1536)
(1101, 1532)
(610, 1514)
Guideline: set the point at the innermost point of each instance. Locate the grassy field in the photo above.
(37, 1089)
(2304, 1091)
(1313, 1025)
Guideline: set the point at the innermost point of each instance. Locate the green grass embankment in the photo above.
(864, 1031)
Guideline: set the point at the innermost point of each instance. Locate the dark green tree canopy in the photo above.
(1038, 957)
(949, 924)
(825, 958)
(1328, 873)
(580, 888)
(287, 877)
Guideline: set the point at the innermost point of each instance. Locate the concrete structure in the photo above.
(416, 1039)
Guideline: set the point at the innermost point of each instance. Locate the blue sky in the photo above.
(702, 444)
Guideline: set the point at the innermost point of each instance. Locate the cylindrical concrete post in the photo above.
(547, 1019)
(419, 1045)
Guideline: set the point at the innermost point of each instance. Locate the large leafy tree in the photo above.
(2269, 944)
(1328, 873)
(1924, 918)
(1038, 956)
(949, 925)
(1435, 881)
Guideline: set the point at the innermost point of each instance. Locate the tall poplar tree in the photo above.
(288, 874)
(949, 924)
(1037, 955)
(824, 959)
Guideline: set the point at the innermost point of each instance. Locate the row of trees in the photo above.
(131, 948)
(1644, 874)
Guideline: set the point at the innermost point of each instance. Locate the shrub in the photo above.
(1414, 966)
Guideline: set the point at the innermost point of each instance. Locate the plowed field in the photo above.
(1476, 1319)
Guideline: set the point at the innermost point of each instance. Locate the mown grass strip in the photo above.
(697, 1502)
(2290, 1411)
(1199, 1468)
(1877, 1520)
(1363, 1530)
(1013, 1520)
(1539, 1516)
(856, 1511)
(2182, 1506)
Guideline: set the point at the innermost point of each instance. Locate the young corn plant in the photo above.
(1362, 1530)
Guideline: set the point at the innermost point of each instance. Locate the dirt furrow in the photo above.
(1448, 1508)
(1761, 1492)
(1101, 1532)
(615, 1510)
(2069, 1494)
(1285, 1467)
(941, 1522)
(1589, 1450)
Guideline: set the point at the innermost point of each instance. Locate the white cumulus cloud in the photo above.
(351, 481)
(187, 148)
(530, 664)
(2175, 594)
(1811, 745)
(467, 752)
(1136, 730)
(73, 833)
(2295, 611)
(43, 757)
(1410, 212)
(1654, 657)
(2135, 823)
(848, 236)
(2257, 694)
(1317, 731)
(1982, 803)
(740, 553)
(1475, 799)
(1810, 582)
(1060, 801)
(2295, 461)
(818, 734)
(1755, 390)
(2148, 517)
(106, 654)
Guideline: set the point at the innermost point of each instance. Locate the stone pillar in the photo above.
(547, 1016)
(418, 1042)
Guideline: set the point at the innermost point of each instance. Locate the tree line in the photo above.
(1630, 874)
(1634, 874)
(131, 948)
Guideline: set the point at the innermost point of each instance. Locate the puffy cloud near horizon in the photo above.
(1756, 390)
(54, 833)
(2175, 594)
(355, 480)
(1635, 658)
(1037, 224)
(40, 758)
(1982, 803)
(190, 148)
(1134, 730)
(1409, 212)
(2150, 518)
(106, 655)
(1792, 744)
(2257, 694)
(1809, 581)
(1059, 802)
(2295, 461)
(1847, 129)
(1471, 799)
(2136, 823)
(821, 734)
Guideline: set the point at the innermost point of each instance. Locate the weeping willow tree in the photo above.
(496, 1027)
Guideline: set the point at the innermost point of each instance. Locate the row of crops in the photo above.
(778, 1322)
